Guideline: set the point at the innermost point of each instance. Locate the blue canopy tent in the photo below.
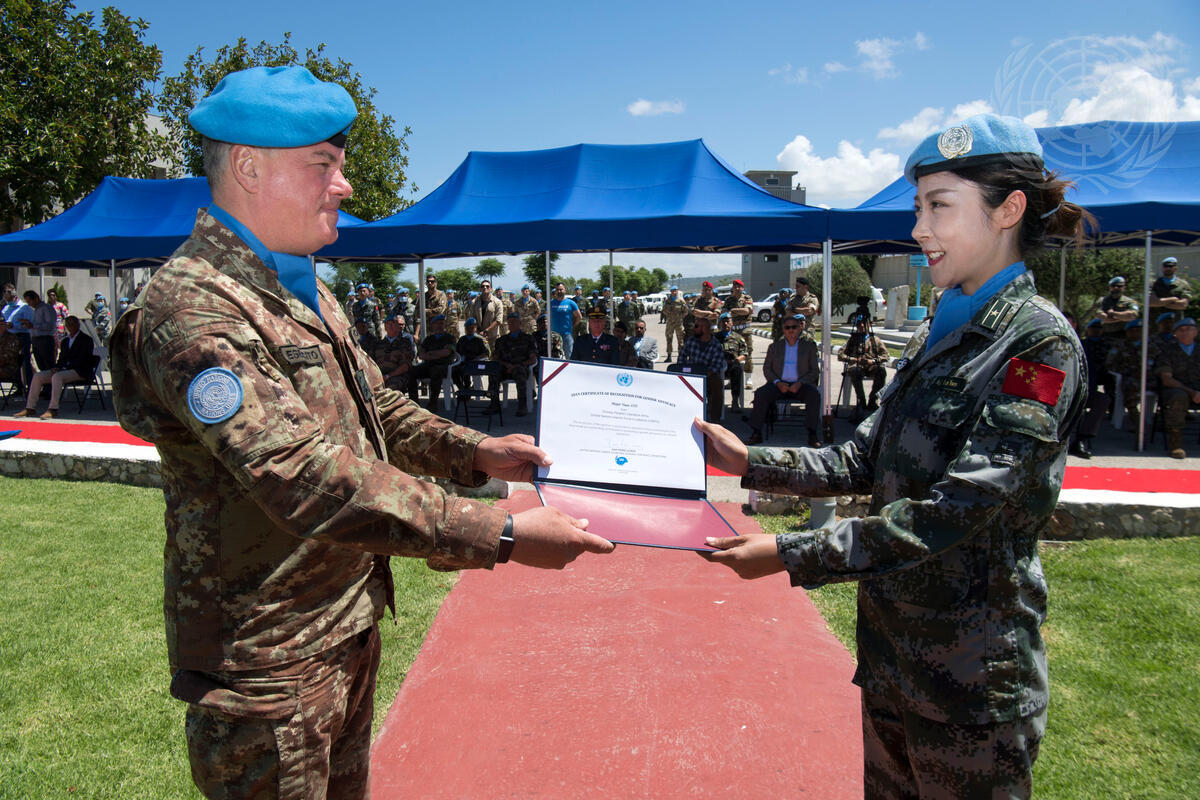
(1141, 180)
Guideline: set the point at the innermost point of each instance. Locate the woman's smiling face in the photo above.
(957, 232)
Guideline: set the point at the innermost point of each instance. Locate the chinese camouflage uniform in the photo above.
(1125, 359)
(1184, 368)
(275, 515)
(390, 354)
(741, 325)
(529, 309)
(964, 477)
(513, 351)
(673, 312)
(864, 356)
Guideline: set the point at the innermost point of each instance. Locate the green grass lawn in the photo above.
(84, 708)
(1123, 642)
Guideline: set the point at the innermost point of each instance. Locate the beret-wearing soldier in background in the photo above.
(287, 464)
(964, 461)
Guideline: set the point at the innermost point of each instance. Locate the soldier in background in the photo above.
(488, 311)
(674, 309)
(436, 353)
(539, 339)
(865, 355)
(1179, 371)
(1125, 359)
(528, 308)
(736, 355)
(366, 310)
(778, 309)
(435, 302)
(706, 307)
(470, 347)
(288, 467)
(740, 307)
(1169, 291)
(395, 353)
(1116, 309)
(803, 302)
(516, 352)
(454, 312)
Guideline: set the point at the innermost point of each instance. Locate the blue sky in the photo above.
(840, 92)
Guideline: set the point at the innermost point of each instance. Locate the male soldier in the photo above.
(1165, 323)
(736, 354)
(597, 345)
(517, 352)
(365, 338)
(706, 307)
(689, 317)
(470, 347)
(627, 310)
(673, 310)
(453, 314)
(436, 352)
(406, 310)
(435, 302)
(539, 339)
(638, 303)
(703, 350)
(1095, 350)
(351, 299)
(627, 354)
(1179, 371)
(778, 310)
(740, 307)
(1125, 359)
(1169, 291)
(528, 308)
(865, 355)
(578, 298)
(1116, 310)
(394, 353)
(281, 454)
(506, 300)
(488, 311)
(802, 302)
(365, 309)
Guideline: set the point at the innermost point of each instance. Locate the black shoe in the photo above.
(813, 441)
(873, 403)
(1080, 449)
(755, 438)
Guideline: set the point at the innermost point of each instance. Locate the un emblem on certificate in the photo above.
(214, 395)
(622, 461)
(624, 379)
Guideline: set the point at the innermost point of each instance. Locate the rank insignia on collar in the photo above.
(994, 313)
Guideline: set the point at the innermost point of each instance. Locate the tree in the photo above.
(375, 156)
(850, 280)
(534, 268)
(489, 268)
(1088, 273)
(73, 105)
(460, 280)
(347, 275)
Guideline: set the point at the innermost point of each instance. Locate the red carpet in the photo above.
(101, 433)
(641, 674)
(1133, 480)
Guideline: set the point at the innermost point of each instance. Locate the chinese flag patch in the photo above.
(1033, 381)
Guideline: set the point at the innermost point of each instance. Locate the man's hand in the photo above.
(754, 555)
(510, 458)
(725, 451)
(549, 539)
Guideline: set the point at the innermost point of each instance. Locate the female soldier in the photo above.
(964, 460)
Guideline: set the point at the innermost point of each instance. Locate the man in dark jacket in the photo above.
(75, 363)
(597, 345)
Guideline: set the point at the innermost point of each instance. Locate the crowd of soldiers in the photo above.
(1112, 343)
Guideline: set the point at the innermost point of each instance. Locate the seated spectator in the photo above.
(470, 347)
(645, 346)
(702, 350)
(10, 356)
(1125, 359)
(791, 369)
(1166, 327)
(628, 357)
(736, 353)
(436, 353)
(74, 364)
(394, 353)
(539, 338)
(1179, 372)
(516, 352)
(366, 339)
(865, 355)
(1095, 350)
(596, 345)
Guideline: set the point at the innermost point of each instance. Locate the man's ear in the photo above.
(245, 164)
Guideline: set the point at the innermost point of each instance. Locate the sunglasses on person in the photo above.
(791, 327)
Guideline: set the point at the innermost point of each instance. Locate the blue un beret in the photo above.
(275, 107)
(1095, 323)
(1166, 315)
(1135, 323)
(470, 321)
(1185, 321)
(436, 317)
(981, 139)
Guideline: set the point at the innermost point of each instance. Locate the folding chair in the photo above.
(15, 386)
(486, 372)
(83, 389)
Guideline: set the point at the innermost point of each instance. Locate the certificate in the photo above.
(626, 454)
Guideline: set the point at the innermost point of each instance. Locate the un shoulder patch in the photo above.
(214, 395)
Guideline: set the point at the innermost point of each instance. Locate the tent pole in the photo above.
(1145, 347)
(611, 305)
(549, 292)
(420, 326)
(826, 336)
(1062, 276)
(112, 287)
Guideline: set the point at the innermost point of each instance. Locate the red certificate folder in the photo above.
(677, 515)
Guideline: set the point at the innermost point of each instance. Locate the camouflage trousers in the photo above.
(909, 756)
(1175, 407)
(674, 334)
(748, 338)
(301, 731)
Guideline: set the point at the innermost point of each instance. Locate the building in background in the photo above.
(765, 273)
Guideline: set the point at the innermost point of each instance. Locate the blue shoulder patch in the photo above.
(214, 395)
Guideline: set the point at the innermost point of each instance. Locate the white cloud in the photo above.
(964, 110)
(1192, 86)
(797, 75)
(834, 66)
(1129, 92)
(653, 108)
(930, 119)
(875, 55)
(921, 41)
(842, 180)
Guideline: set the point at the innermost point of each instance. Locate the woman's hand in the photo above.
(725, 451)
(754, 555)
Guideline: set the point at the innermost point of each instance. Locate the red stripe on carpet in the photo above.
(72, 432)
(1133, 480)
(710, 470)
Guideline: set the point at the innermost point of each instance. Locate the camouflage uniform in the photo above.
(673, 312)
(367, 310)
(435, 303)
(627, 312)
(865, 356)
(1116, 330)
(1176, 288)
(556, 344)
(628, 353)
(778, 314)
(485, 313)
(513, 351)
(741, 325)
(433, 369)
(1184, 368)
(808, 305)
(1125, 359)
(735, 345)
(280, 517)
(470, 347)
(390, 355)
(529, 309)
(964, 476)
(453, 316)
